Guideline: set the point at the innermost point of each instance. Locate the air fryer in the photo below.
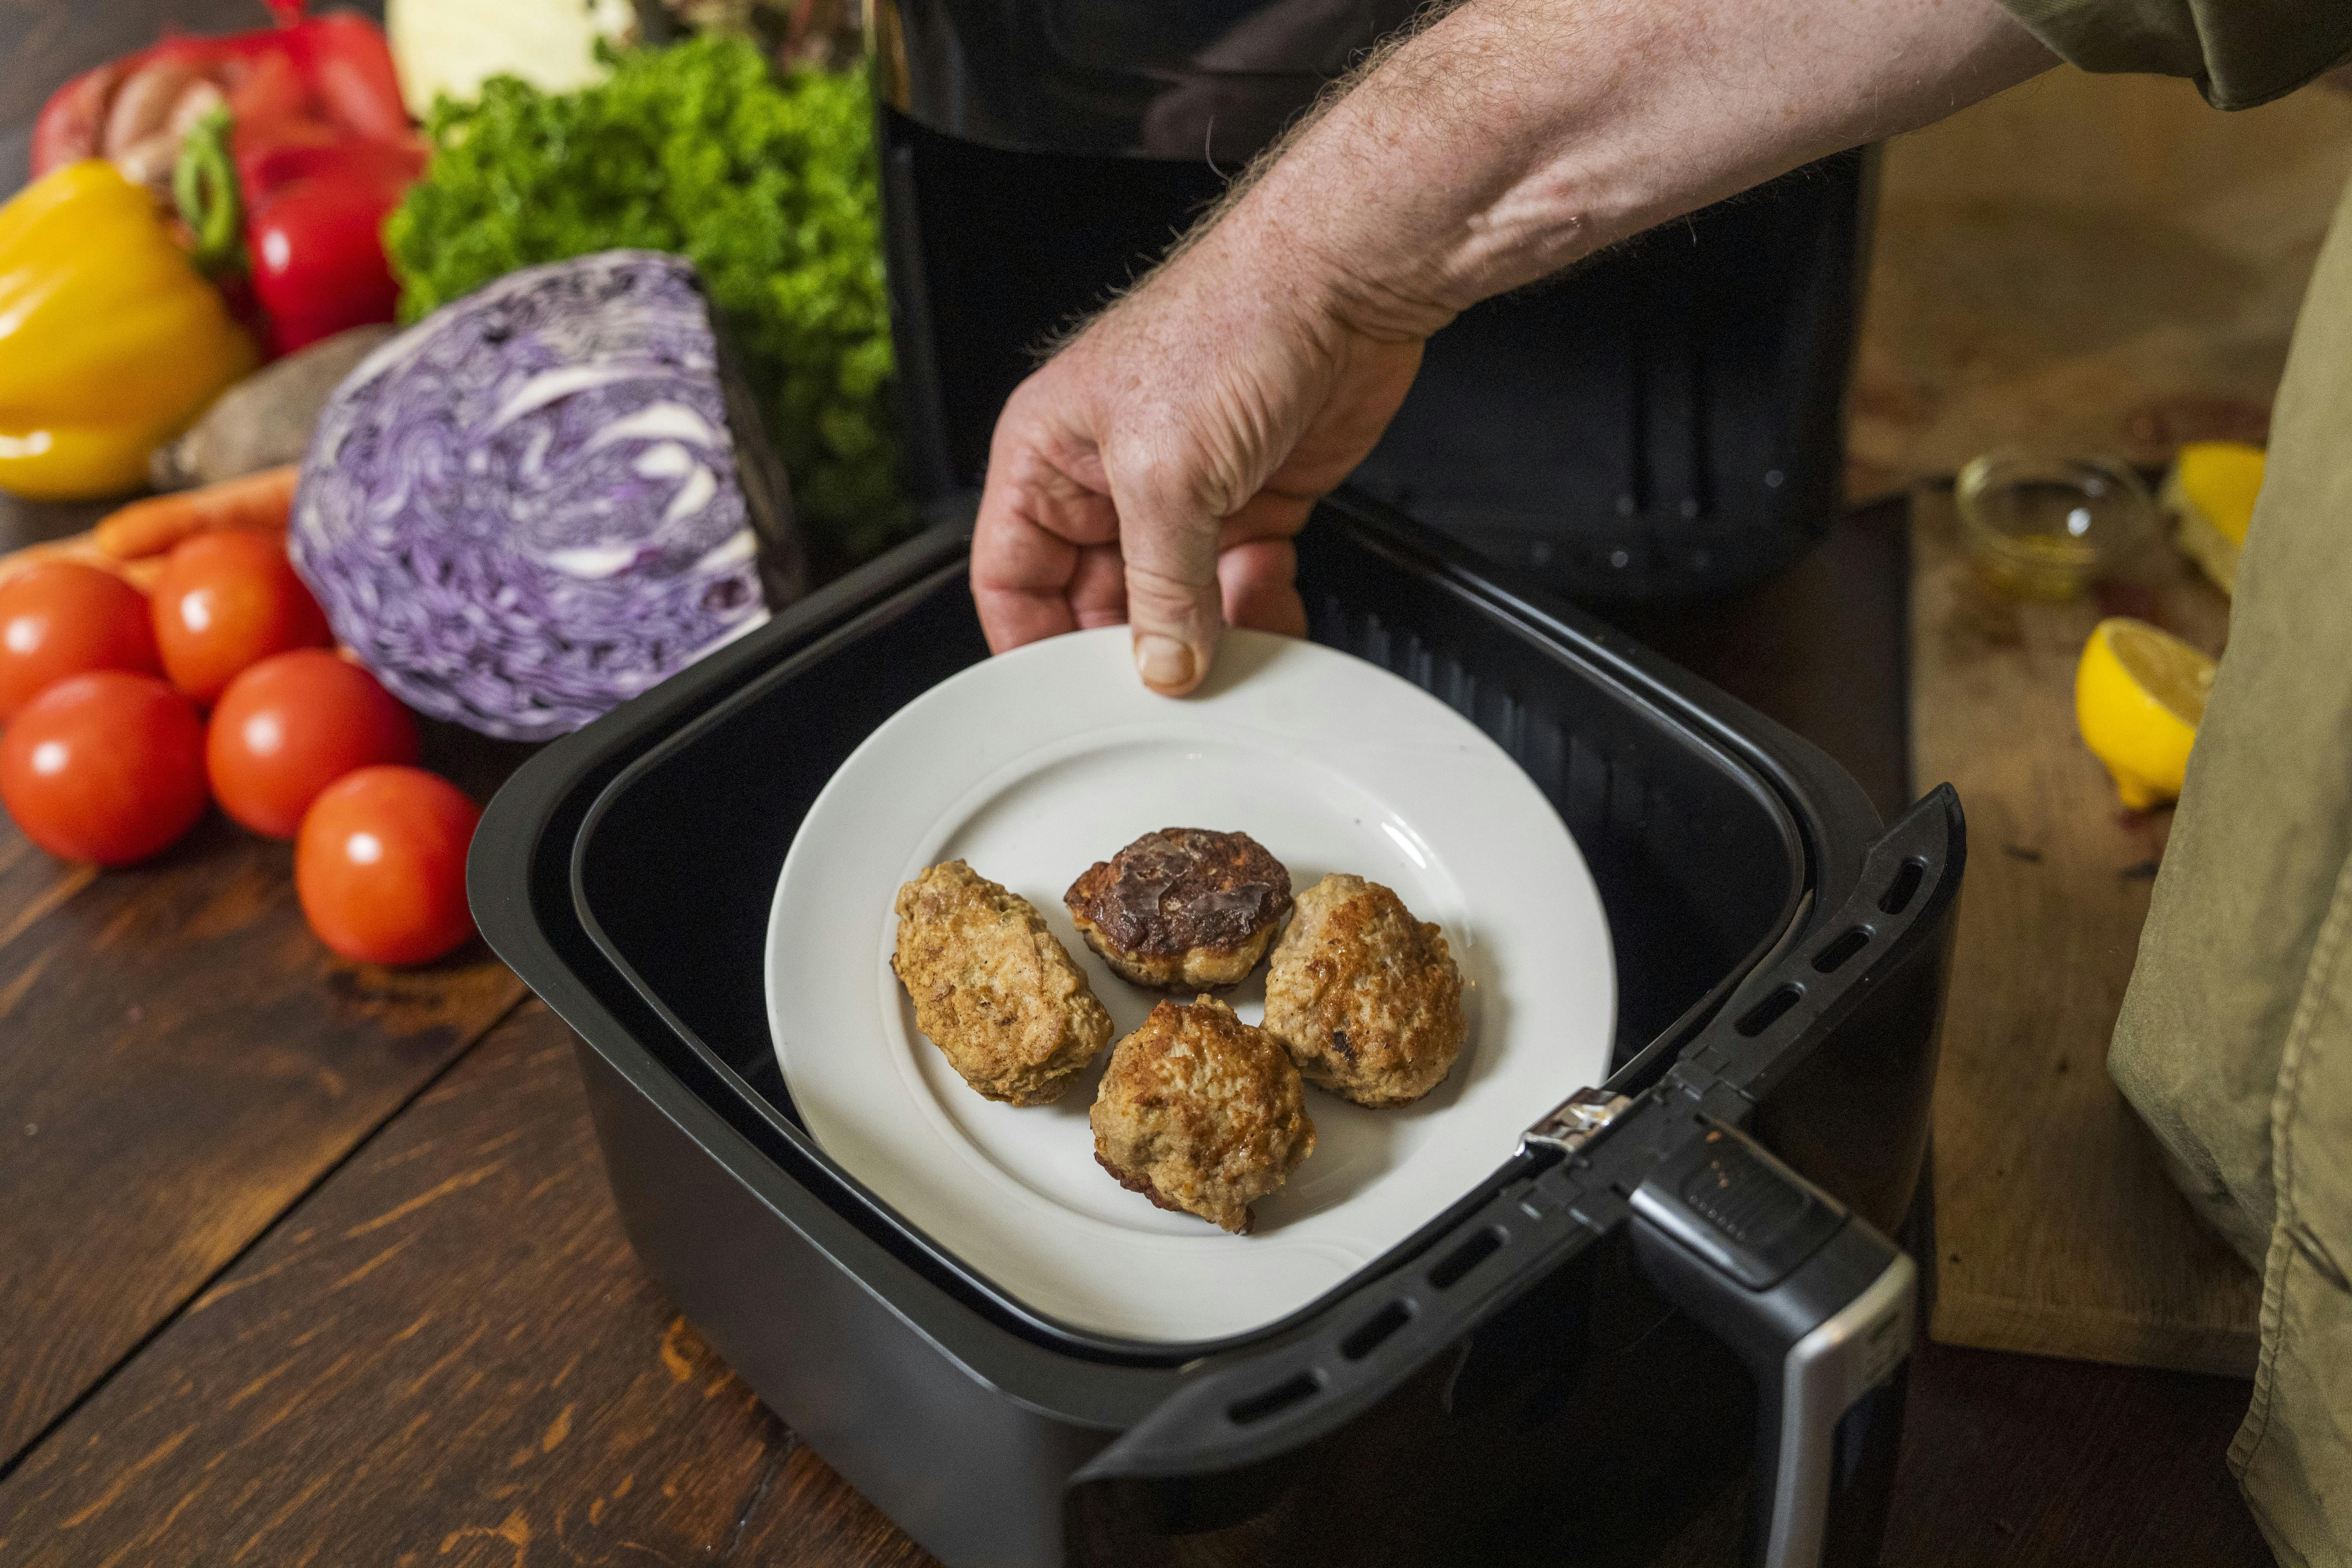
(1678, 1274)
(1664, 421)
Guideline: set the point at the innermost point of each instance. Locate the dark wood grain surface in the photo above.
(2024, 1459)
(307, 1262)
(182, 1061)
(447, 1355)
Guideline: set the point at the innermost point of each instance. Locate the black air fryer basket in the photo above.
(1565, 1367)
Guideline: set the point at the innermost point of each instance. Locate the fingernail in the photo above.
(1162, 661)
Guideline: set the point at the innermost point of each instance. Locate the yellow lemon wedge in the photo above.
(2210, 492)
(2139, 694)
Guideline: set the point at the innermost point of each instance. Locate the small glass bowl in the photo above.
(2047, 528)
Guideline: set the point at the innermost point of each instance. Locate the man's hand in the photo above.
(1156, 468)
(1155, 471)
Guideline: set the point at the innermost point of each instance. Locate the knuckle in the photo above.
(1157, 456)
(1154, 471)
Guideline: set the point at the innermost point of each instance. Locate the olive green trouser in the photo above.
(2235, 1039)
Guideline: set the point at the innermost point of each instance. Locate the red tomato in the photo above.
(226, 599)
(106, 766)
(291, 726)
(61, 619)
(381, 865)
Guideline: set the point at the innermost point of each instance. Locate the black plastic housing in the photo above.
(626, 872)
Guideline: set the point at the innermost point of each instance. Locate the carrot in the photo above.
(82, 547)
(75, 547)
(260, 501)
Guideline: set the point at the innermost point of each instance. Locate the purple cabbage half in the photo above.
(533, 505)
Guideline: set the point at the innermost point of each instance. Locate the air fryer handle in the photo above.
(1836, 1394)
(1819, 1306)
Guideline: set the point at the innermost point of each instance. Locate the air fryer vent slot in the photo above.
(1375, 1330)
(1843, 948)
(1768, 1012)
(1280, 1397)
(1906, 883)
(1457, 1263)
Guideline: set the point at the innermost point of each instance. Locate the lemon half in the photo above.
(2210, 491)
(2140, 695)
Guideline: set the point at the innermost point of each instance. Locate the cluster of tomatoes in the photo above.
(108, 755)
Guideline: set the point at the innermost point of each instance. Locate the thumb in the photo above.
(1168, 539)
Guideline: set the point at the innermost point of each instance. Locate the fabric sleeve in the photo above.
(2240, 53)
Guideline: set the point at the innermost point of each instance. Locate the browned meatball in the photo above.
(1366, 998)
(1200, 1112)
(994, 990)
(1182, 908)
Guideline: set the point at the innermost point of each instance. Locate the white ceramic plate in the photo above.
(1032, 766)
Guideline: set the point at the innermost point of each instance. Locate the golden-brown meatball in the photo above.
(993, 989)
(1365, 998)
(1182, 908)
(1200, 1112)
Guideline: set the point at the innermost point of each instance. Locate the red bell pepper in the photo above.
(308, 113)
(335, 69)
(264, 167)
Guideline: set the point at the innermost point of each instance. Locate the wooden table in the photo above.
(304, 1261)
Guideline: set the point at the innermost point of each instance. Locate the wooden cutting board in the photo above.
(2058, 1232)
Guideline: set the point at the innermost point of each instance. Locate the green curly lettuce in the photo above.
(767, 186)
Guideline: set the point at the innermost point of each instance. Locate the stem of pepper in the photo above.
(204, 186)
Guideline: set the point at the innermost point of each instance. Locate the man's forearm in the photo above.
(1512, 137)
(1155, 468)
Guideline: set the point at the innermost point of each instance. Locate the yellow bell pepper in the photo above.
(111, 341)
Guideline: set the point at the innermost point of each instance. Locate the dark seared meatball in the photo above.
(1202, 1113)
(1182, 908)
